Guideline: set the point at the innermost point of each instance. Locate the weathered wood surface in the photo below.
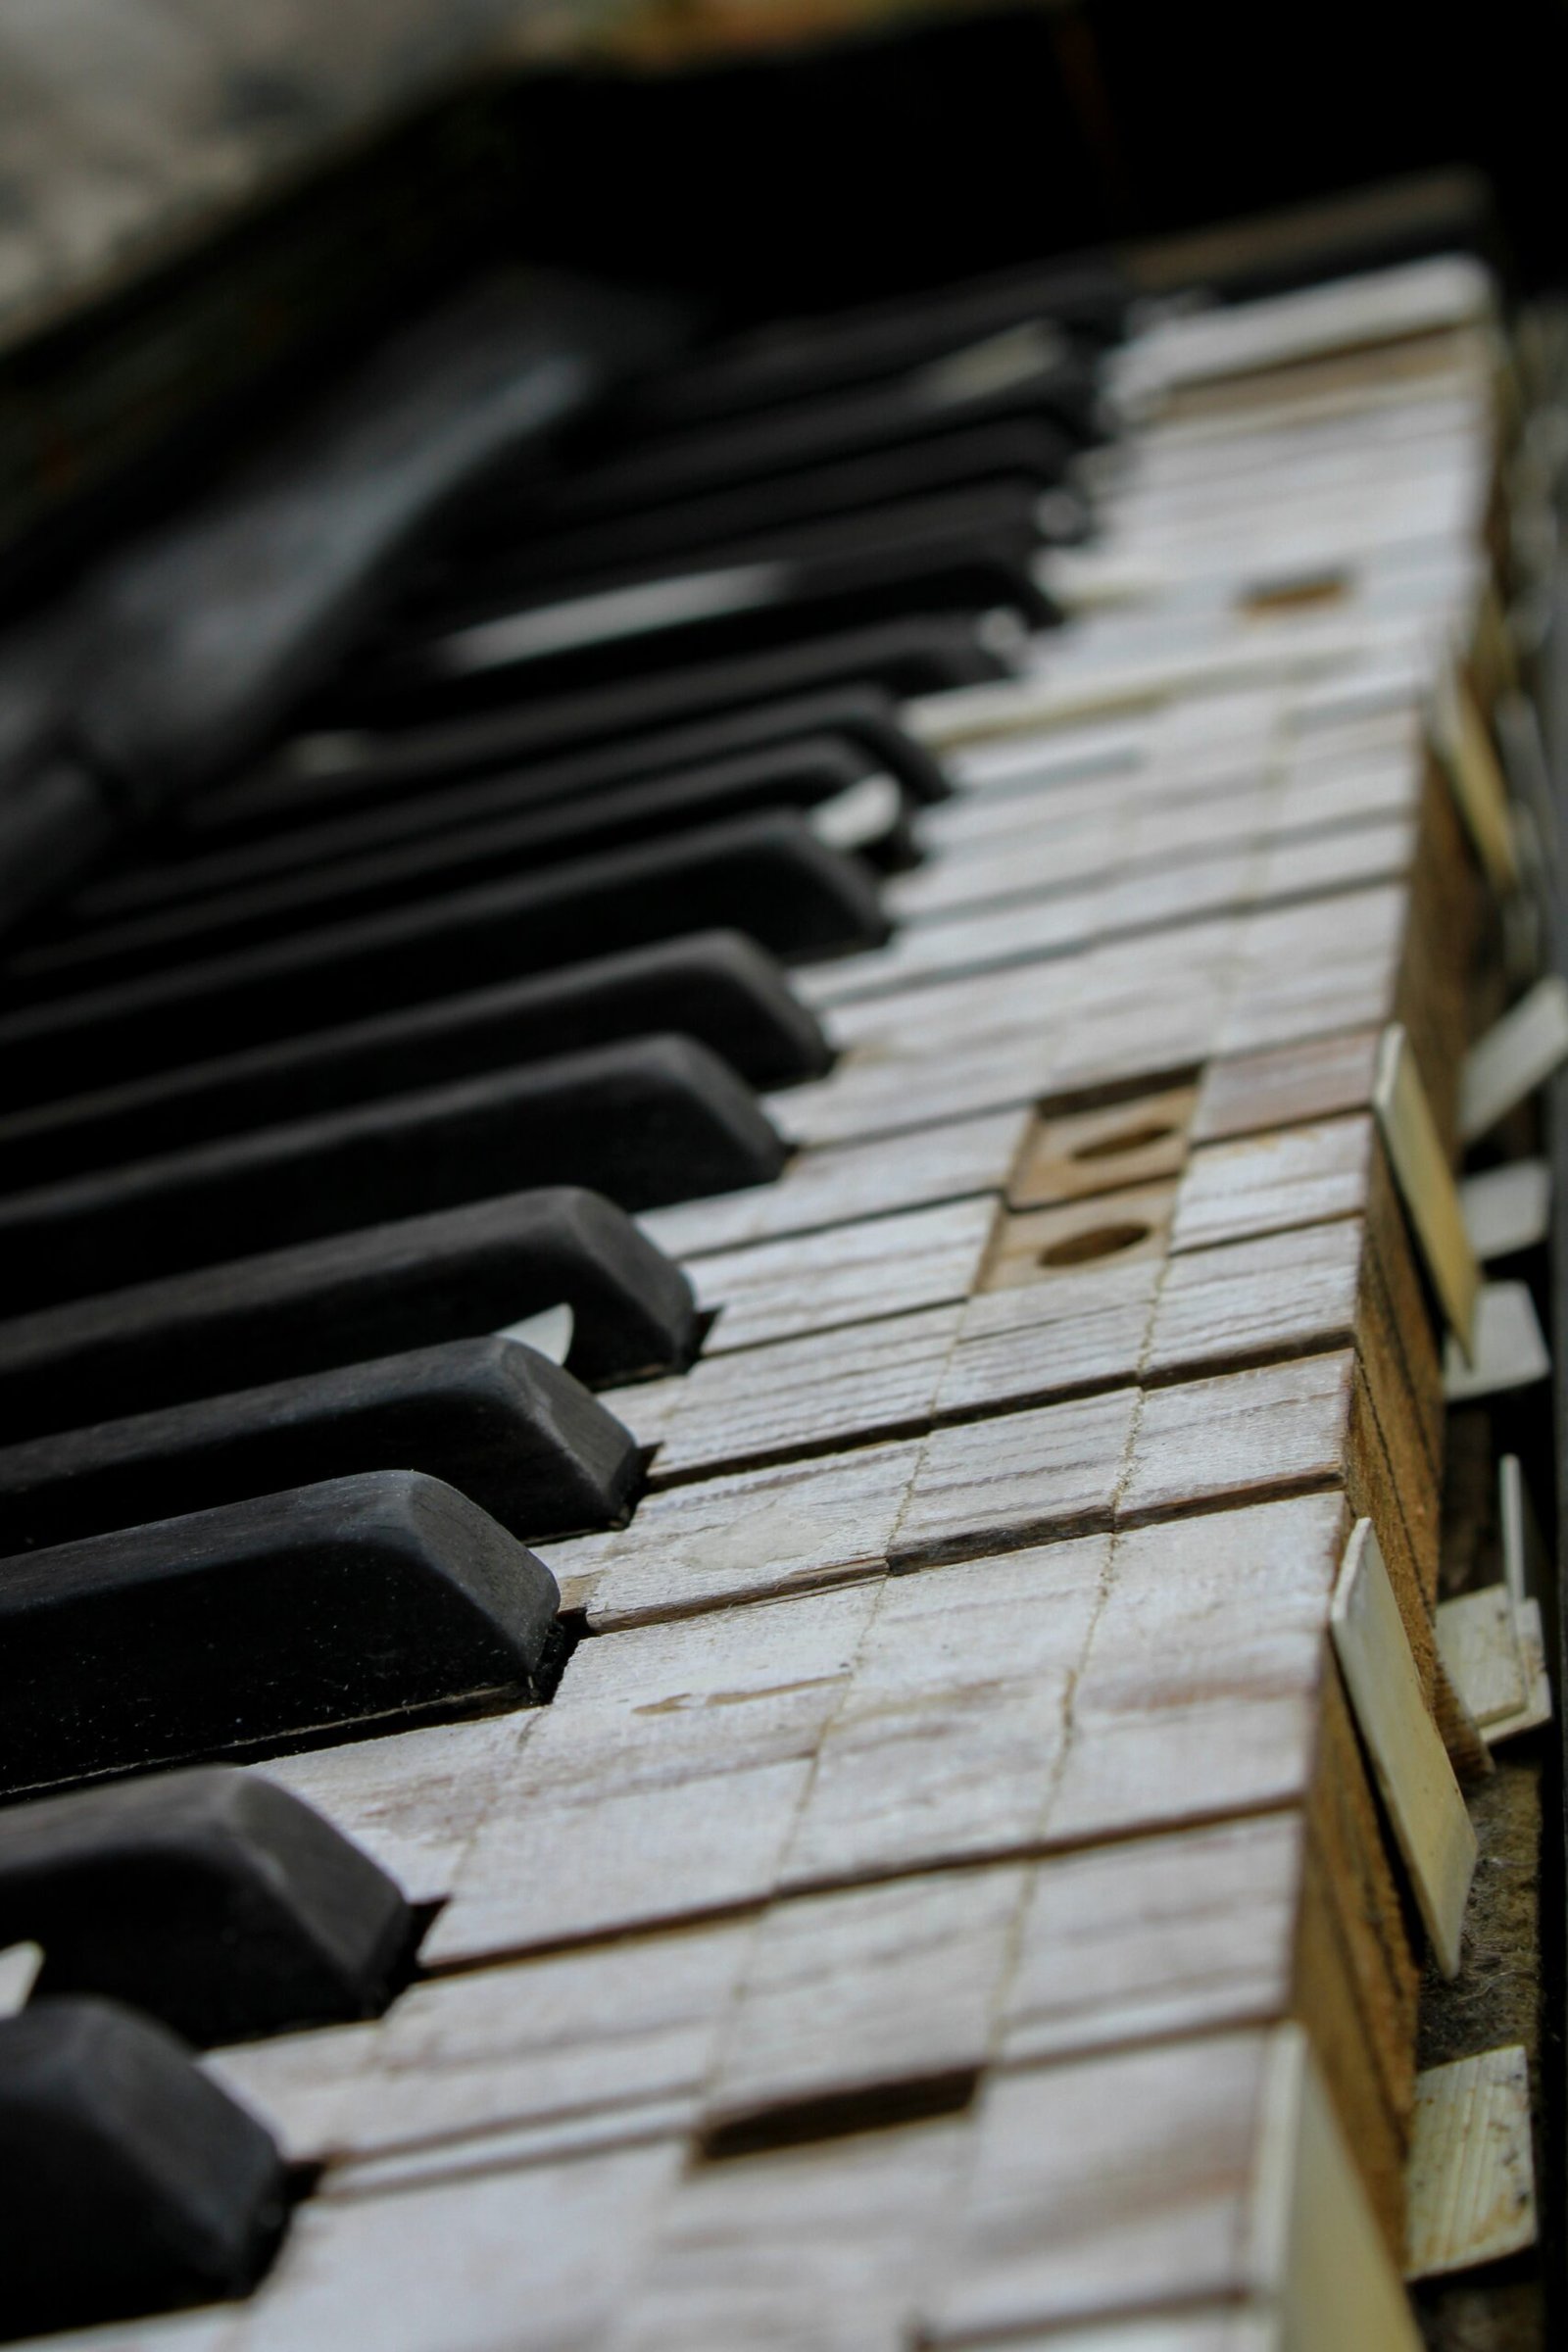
(1267, 1183)
(986, 1042)
(845, 1274)
(858, 1180)
(897, 1724)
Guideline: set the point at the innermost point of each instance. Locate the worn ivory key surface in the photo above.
(1472, 2173)
(1464, 747)
(1515, 1056)
(1415, 1776)
(1426, 1185)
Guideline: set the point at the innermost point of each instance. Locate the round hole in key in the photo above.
(1096, 1240)
(1125, 1139)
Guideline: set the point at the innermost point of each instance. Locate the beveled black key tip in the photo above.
(211, 1900)
(132, 2183)
(358, 1605)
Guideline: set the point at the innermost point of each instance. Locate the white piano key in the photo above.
(844, 1274)
(1508, 1208)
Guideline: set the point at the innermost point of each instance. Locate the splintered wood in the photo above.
(947, 1900)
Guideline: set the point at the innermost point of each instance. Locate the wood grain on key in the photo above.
(753, 1534)
(834, 1187)
(805, 1395)
(1080, 1331)
(1077, 1665)
(843, 1274)
(1252, 1093)
(1272, 1181)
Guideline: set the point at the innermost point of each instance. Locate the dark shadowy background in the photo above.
(794, 177)
(877, 163)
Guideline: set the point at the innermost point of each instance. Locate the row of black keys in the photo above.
(279, 1091)
(206, 1907)
(882, 469)
(138, 1277)
(774, 530)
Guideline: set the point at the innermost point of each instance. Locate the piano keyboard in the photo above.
(893, 891)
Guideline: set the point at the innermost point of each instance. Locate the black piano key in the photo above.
(767, 876)
(344, 1609)
(272, 906)
(649, 1122)
(514, 1433)
(1022, 454)
(927, 655)
(1085, 297)
(209, 1899)
(512, 812)
(53, 824)
(129, 688)
(133, 2184)
(620, 628)
(841, 550)
(290, 1313)
(1037, 374)
(179, 656)
(718, 987)
(202, 635)
(321, 783)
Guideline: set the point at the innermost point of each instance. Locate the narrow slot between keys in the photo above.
(879, 2107)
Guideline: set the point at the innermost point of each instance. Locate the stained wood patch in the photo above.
(846, 1995)
(1036, 1244)
(414, 1799)
(1199, 1695)
(397, 2271)
(809, 1394)
(611, 2030)
(1315, 971)
(987, 1484)
(945, 1744)
(1140, 1141)
(876, 2210)
(1240, 1436)
(305, 2087)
